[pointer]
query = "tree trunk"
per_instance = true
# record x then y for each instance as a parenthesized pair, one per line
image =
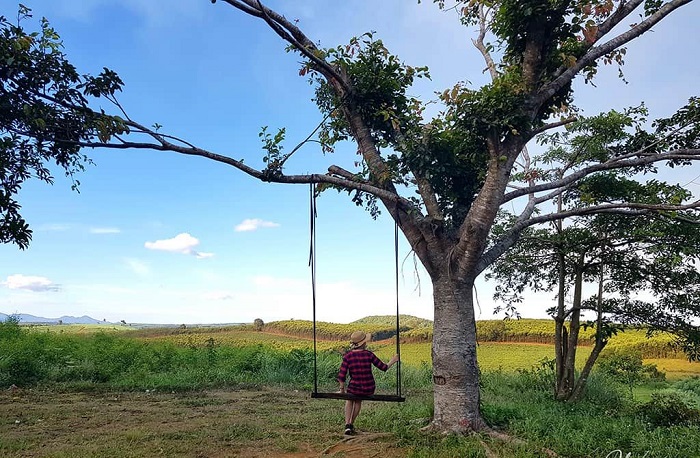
(600, 342)
(586, 372)
(565, 385)
(560, 333)
(455, 369)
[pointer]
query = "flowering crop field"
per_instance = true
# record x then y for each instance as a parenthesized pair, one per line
(503, 345)
(506, 356)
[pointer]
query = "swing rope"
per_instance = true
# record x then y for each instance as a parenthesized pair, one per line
(312, 264)
(396, 270)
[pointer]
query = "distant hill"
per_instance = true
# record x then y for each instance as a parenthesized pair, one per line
(26, 318)
(406, 321)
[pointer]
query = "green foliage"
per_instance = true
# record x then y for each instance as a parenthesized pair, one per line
(9, 328)
(379, 82)
(627, 368)
(691, 384)
(540, 377)
(333, 331)
(671, 407)
(44, 115)
(408, 321)
(273, 145)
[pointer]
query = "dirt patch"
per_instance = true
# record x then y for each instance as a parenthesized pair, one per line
(244, 423)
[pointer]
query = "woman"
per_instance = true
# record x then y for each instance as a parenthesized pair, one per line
(358, 364)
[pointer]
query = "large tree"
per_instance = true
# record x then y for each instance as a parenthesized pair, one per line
(442, 180)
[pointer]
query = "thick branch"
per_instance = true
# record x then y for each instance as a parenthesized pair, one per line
(428, 194)
(622, 208)
(291, 34)
(623, 10)
(261, 175)
(547, 91)
(508, 240)
(627, 161)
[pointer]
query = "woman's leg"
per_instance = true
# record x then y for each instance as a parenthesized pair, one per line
(349, 408)
(357, 405)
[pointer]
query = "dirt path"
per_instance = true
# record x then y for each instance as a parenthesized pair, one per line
(251, 423)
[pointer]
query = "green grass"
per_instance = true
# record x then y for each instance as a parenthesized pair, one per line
(519, 403)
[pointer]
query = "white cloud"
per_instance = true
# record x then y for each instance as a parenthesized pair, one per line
(105, 230)
(253, 224)
(137, 266)
(182, 243)
(53, 227)
(30, 283)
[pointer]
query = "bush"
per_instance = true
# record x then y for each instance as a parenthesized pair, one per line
(10, 329)
(670, 407)
(540, 377)
(691, 384)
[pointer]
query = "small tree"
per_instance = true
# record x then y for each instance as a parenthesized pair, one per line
(622, 253)
(625, 367)
(258, 324)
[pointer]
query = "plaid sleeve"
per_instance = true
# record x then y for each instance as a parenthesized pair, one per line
(378, 363)
(343, 369)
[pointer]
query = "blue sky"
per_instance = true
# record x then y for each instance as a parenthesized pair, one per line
(160, 238)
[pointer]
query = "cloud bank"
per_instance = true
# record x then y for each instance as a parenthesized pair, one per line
(31, 283)
(182, 243)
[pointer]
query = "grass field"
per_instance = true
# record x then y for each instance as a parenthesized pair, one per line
(236, 392)
(507, 356)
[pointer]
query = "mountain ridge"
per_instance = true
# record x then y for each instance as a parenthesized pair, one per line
(66, 319)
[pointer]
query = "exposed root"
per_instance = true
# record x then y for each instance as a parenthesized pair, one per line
(432, 428)
(359, 445)
(489, 453)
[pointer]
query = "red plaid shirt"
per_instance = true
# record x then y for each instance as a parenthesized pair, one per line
(358, 363)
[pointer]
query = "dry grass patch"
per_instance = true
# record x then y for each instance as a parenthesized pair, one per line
(257, 423)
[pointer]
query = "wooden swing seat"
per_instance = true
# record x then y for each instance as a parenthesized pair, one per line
(356, 397)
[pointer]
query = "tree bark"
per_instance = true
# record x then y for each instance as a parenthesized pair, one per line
(455, 368)
(583, 377)
(568, 374)
(560, 333)
(600, 342)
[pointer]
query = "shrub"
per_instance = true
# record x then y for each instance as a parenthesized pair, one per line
(626, 366)
(540, 377)
(10, 329)
(670, 407)
(691, 384)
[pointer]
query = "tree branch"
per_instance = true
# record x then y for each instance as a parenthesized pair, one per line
(292, 35)
(259, 174)
(548, 90)
(479, 44)
(630, 160)
(306, 140)
(622, 208)
(554, 125)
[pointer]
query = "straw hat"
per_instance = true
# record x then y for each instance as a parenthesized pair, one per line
(359, 338)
